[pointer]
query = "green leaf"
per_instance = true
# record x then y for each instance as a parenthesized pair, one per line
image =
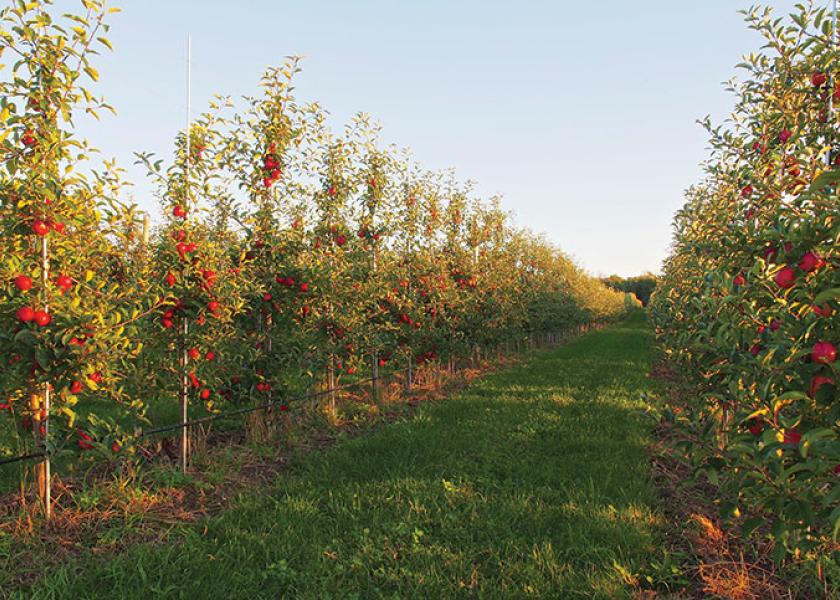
(750, 525)
(826, 295)
(834, 520)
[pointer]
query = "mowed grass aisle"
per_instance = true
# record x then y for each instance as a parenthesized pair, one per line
(532, 482)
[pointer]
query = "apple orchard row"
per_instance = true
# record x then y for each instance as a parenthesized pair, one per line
(748, 305)
(284, 251)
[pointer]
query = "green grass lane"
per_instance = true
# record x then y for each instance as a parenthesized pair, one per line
(533, 482)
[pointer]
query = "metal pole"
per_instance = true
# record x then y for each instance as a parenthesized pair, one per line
(332, 386)
(146, 229)
(409, 376)
(375, 382)
(184, 397)
(47, 491)
(185, 359)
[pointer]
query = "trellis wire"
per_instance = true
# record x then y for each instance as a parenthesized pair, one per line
(185, 424)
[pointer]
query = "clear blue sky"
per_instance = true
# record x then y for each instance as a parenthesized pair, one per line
(582, 114)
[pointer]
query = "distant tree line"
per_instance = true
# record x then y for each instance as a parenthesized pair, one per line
(641, 286)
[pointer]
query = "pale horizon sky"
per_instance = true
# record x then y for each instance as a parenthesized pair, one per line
(582, 116)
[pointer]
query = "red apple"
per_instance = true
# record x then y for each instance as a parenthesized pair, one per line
(27, 138)
(818, 79)
(40, 227)
(25, 314)
(824, 311)
(785, 278)
(824, 352)
(64, 282)
(23, 283)
(84, 441)
(792, 437)
(811, 261)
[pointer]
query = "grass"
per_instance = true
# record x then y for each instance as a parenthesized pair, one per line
(532, 482)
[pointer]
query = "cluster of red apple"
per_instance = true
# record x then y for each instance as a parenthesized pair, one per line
(289, 282)
(28, 138)
(27, 314)
(86, 441)
(406, 320)
(337, 237)
(786, 276)
(366, 234)
(427, 356)
(42, 227)
(463, 281)
(271, 166)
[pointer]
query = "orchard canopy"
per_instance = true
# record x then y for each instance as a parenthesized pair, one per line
(282, 250)
(749, 298)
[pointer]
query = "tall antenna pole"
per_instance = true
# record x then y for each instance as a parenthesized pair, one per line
(828, 156)
(184, 357)
(189, 114)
